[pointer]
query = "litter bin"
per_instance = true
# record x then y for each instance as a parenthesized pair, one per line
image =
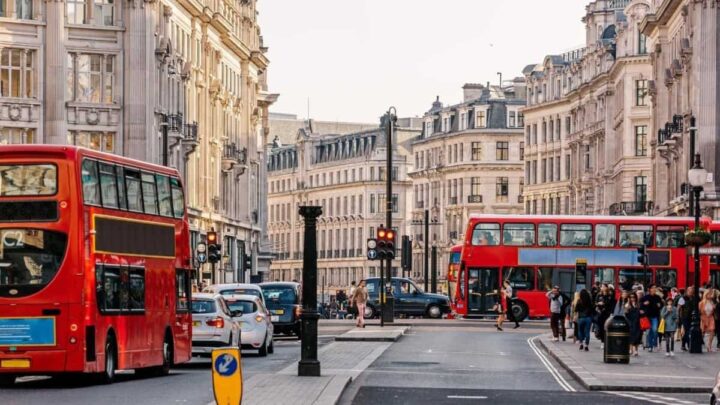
(617, 340)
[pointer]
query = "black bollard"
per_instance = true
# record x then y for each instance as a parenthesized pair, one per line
(309, 366)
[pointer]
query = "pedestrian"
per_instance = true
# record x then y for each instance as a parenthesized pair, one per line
(604, 304)
(556, 304)
(684, 313)
(360, 297)
(717, 318)
(564, 314)
(707, 318)
(650, 307)
(620, 304)
(352, 308)
(500, 308)
(676, 302)
(574, 315)
(508, 303)
(585, 311)
(669, 316)
(632, 314)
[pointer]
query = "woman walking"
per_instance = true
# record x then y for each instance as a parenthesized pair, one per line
(707, 318)
(360, 298)
(632, 314)
(508, 303)
(501, 308)
(585, 311)
(669, 315)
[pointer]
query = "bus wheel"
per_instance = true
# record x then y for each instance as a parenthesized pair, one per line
(519, 310)
(7, 380)
(168, 355)
(434, 312)
(108, 375)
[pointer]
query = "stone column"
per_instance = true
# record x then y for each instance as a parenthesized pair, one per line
(54, 65)
(309, 366)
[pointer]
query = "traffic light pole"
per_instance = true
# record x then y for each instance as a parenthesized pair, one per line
(433, 282)
(382, 294)
(426, 251)
(390, 119)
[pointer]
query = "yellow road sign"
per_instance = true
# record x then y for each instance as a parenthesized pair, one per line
(227, 376)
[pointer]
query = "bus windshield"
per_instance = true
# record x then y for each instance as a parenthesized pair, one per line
(29, 260)
(27, 180)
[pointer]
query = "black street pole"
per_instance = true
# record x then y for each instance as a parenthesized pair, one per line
(696, 337)
(382, 294)
(390, 123)
(691, 194)
(433, 283)
(309, 365)
(164, 126)
(426, 252)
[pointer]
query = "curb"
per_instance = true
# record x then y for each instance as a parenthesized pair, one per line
(572, 367)
(390, 339)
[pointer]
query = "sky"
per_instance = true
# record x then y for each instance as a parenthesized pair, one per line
(350, 60)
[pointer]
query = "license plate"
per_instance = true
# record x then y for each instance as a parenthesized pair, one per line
(196, 323)
(274, 318)
(279, 311)
(15, 363)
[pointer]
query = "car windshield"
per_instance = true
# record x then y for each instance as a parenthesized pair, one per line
(279, 295)
(29, 260)
(203, 307)
(27, 180)
(241, 291)
(246, 307)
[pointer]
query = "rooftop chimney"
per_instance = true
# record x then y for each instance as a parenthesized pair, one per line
(472, 91)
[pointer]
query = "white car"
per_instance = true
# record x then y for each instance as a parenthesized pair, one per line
(236, 289)
(255, 324)
(715, 397)
(213, 325)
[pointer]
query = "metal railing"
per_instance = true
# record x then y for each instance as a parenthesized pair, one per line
(632, 208)
(474, 199)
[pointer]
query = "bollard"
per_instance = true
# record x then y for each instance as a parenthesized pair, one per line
(309, 366)
(617, 340)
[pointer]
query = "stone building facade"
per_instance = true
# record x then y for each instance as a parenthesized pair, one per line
(683, 41)
(468, 160)
(181, 83)
(345, 174)
(588, 120)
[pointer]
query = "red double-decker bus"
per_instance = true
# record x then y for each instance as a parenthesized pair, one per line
(714, 258)
(94, 264)
(537, 252)
(452, 274)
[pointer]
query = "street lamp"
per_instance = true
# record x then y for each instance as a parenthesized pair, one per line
(697, 176)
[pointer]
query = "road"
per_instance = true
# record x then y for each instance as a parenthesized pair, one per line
(436, 363)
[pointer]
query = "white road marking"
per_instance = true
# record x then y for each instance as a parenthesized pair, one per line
(553, 371)
(466, 397)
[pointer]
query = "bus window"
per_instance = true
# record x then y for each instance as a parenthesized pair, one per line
(521, 278)
(182, 290)
(715, 240)
(628, 277)
(178, 200)
(715, 278)
(149, 194)
(666, 278)
(136, 289)
(163, 188)
(547, 234)
(34, 180)
(605, 235)
(121, 187)
(91, 195)
(575, 234)
(635, 235)
(108, 186)
(486, 234)
(670, 236)
(545, 278)
(134, 194)
(605, 276)
(519, 234)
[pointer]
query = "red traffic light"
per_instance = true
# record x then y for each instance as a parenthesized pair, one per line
(390, 235)
(381, 233)
(211, 237)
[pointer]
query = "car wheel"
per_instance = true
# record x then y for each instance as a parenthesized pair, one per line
(108, 375)
(369, 312)
(263, 350)
(433, 311)
(271, 347)
(519, 310)
(7, 380)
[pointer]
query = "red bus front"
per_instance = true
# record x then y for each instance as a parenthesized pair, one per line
(81, 289)
(537, 252)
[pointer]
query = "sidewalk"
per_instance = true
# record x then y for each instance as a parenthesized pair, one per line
(649, 372)
(340, 362)
(373, 334)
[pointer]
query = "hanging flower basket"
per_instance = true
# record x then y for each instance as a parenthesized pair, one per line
(697, 237)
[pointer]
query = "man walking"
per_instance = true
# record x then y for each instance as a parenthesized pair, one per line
(650, 307)
(556, 306)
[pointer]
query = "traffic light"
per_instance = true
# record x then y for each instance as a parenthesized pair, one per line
(248, 262)
(642, 255)
(213, 247)
(372, 249)
(406, 254)
(386, 243)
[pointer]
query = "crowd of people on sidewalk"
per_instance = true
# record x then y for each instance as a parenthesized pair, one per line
(653, 316)
(348, 305)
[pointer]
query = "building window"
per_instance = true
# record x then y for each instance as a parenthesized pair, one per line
(103, 12)
(567, 167)
(102, 141)
(502, 151)
(90, 78)
(9, 136)
(640, 188)
(522, 150)
(75, 11)
(586, 157)
(477, 151)
(543, 168)
(642, 43)
(480, 120)
(641, 92)
(16, 73)
(382, 204)
(512, 119)
(501, 189)
(475, 186)
(372, 203)
(641, 140)
(520, 120)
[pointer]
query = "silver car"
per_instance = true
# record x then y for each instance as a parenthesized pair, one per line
(236, 289)
(213, 325)
(255, 323)
(715, 397)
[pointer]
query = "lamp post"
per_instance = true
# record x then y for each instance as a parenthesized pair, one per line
(697, 176)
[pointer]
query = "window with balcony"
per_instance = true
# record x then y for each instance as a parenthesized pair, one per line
(640, 188)
(96, 140)
(475, 189)
(476, 151)
(16, 73)
(90, 78)
(9, 136)
(501, 189)
(502, 151)
(641, 140)
(641, 92)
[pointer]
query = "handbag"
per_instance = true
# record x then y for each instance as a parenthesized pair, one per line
(644, 323)
(661, 328)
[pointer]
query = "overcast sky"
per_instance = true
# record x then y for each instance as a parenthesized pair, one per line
(354, 58)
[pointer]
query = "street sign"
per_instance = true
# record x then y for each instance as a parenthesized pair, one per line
(372, 254)
(710, 250)
(201, 258)
(227, 376)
